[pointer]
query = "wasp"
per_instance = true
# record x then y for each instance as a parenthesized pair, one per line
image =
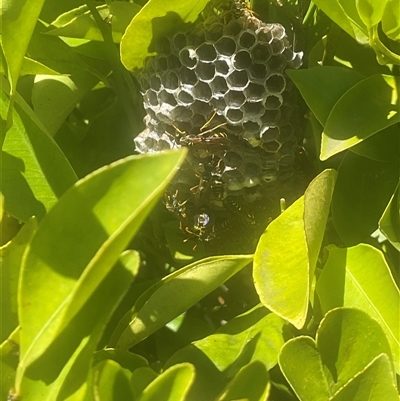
(236, 206)
(173, 204)
(200, 225)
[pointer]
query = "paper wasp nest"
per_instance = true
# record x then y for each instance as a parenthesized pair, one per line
(220, 90)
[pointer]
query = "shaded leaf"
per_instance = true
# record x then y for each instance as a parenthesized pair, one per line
(389, 223)
(9, 358)
(111, 382)
(251, 384)
(172, 385)
(174, 294)
(390, 22)
(374, 383)
(359, 277)
(283, 279)
(79, 23)
(54, 97)
(344, 13)
(322, 87)
(140, 379)
(11, 257)
(256, 335)
(302, 366)
(156, 19)
(80, 240)
(33, 67)
(126, 359)
(18, 16)
(347, 341)
(352, 119)
(371, 11)
(35, 171)
(71, 354)
(362, 192)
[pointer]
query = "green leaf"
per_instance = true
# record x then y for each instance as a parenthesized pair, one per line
(71, 354)
(389, 223)
(283, 279)
(256, 335)
(359, 277)
(322, 87)
(156, 19)
(371, 11)
(251, 384)
(80, 240)
(347, 341)
(174, 294)
(79, 23)
(126, 359)
(171, 385)
(9, 358)
(54, 97)
(302, 366)
(140, 379)
(35, 172)
(374, 383)
(390, 22)
(112, 382)
(18, 21)
(344, 13)
(11, 257)
(384, 146)
(362, 192)
(33, 67)
(353, 119)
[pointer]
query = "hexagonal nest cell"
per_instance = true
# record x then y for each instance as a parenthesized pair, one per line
(220, 90)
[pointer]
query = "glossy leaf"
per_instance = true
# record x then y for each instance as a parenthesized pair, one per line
(359, 277)
(283, 279)
(390, 22)
(362, 192)
(54, 97)
(302, 366)
(71, 354)
(389, 223)
(156, 19)
(78, 23)
(11, 257)
(371, 11)
(256, 335)
(384, 146)
(251, 384)
(140, 379)
(9, 358)
(345, 14)
(374, 383)
(174, 294)
(172, 385)
(18, 21)
(347, 341)
(33, 67)
(322, 87)
(112, 382)
(352, 120)
(35, 173)
(127, 360)
(80, 240)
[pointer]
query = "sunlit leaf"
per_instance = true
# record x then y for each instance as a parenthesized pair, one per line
(11, 257)
(251, 384)
(35, 173)
(283, 279)
(79, 241)
(390, 20)
(18, 21)
(371, 11)
(389, 223)
(140, 379)
(156, 19)
(174, 294)
(359, 277)
(172, 385)
(352, 120)
(374, 383)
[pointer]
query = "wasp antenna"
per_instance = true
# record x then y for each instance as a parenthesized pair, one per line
(208, 121)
